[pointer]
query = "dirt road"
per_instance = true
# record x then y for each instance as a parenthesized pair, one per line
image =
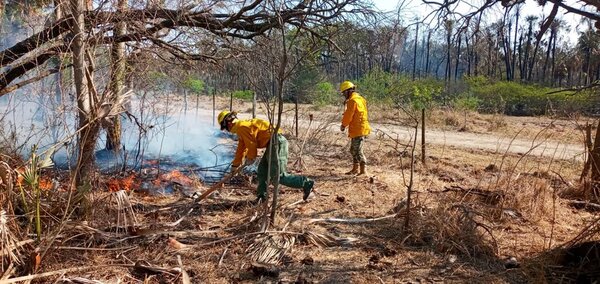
(466, 140)
(488, 142)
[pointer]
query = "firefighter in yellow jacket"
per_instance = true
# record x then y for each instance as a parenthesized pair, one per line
(356, 120)
(254, 134)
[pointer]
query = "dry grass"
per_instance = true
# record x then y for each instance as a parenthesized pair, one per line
(471, 210)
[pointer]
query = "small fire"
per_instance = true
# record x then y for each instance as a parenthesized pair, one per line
(177, 177)
(125, 183)
(46, 184)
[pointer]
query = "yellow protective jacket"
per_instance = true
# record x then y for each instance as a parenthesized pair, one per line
(356, 116)
(253, 134)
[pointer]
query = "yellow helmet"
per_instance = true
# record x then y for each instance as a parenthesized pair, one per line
(346, 85)
(224, 117)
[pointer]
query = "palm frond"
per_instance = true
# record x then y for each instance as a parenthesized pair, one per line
(8, 241)
(323, 240)
(270, 249)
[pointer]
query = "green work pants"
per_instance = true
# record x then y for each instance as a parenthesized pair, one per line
(356, 149)
(278, 168)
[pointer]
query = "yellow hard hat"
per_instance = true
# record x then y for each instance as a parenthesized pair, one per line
(346, 85)
(224, 117)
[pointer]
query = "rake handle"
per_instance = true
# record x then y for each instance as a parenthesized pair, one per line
(220, 183)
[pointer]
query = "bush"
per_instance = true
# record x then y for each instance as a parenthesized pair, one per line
(195, 86)
(243, 94)
(324, 94)
(465, 102)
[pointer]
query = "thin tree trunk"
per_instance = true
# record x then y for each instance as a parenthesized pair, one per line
(533, 60)
(547, 56)
(459, 36)
(113, 131)
(296, 114)
(596, 162)
(428, 49)
(514, 51)
(414, 70)
(253, 104)
(521, 58)
(214, 101)
(422, 136)
(469, 54)
(588, 147)
(87, 124)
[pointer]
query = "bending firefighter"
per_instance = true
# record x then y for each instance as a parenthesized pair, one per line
(356, 120)
(254, 134)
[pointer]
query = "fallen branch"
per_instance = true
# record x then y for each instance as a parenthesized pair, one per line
(95, 249)
(15, 246)
(173, 224)
(9, 272)
(222, 257)
(82, 280)
(584, 205)
(351, 221)
(138, 266)
(47, 274)
(185, 278)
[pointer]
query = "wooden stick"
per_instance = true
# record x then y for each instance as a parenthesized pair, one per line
(9, 271)
(351, 221)
(583, 204)
(222, 257)
(95, 249)
(185, 277)
(46, 274)
(16, 246)
(219, 184)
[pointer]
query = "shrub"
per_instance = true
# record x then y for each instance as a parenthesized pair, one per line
(243, 94)
(324, 94)
(195, 86)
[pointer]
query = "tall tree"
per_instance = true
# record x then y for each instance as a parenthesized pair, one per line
(414, 71)
(87, 124)
(524, 71)
(514, 51)
(117, 80)
(448, 27)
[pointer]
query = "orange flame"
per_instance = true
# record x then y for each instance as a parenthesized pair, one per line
(178, 177)
(125, 183)
(46, 184)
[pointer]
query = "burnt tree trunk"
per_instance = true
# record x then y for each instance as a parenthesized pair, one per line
(113, 131)
(427, 56)
(457, 59)
(414, 69)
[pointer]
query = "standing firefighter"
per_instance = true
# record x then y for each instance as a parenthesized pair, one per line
(355, 118)
(254, 134)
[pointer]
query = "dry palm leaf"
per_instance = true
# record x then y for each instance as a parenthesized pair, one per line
(8, 241)
(270, 249)
(323, 240)
(125, 213)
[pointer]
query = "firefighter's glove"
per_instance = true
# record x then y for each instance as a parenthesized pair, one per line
(250, 167)
(249, 162)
